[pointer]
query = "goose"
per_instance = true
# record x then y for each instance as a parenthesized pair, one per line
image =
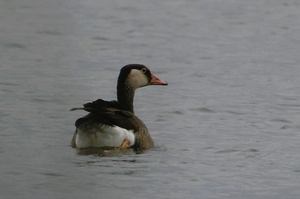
(113, 124)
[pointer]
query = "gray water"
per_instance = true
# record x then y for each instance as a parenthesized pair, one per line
(227, 126)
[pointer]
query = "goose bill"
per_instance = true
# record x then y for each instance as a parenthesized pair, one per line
(156, 81)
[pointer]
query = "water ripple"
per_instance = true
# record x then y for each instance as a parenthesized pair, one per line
(202, 109)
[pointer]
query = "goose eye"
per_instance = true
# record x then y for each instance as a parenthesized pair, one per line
(144, 70)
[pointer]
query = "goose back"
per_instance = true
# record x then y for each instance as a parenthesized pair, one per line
(112, 114)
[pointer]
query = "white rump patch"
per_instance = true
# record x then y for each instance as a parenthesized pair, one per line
(104, 136)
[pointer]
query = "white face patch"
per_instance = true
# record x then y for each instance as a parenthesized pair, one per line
(137, 79)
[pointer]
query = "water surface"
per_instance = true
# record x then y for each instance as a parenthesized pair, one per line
(227, 126)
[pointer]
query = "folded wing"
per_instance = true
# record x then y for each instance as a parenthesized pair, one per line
(107, 113)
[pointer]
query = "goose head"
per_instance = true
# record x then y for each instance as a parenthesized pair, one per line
(136, 76)
(131, 77)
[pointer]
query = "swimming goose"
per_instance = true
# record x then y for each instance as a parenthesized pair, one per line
(113, 124)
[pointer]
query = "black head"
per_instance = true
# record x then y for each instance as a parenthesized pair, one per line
(138, 75)
(131, 77)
